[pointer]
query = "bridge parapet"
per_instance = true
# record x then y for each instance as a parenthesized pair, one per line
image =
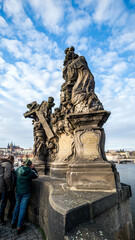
(123, 160)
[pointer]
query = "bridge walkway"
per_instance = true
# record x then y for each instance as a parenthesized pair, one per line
(31, 232)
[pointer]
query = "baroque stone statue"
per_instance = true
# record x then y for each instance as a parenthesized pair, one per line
(42, 132)
(70, 141)
(77, 72)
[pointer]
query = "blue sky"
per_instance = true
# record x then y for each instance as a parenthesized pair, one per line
(33, 37)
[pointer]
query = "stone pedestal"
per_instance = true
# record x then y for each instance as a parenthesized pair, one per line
(90, 170)
(39, 164)
(94, 176)
(58, 170)
(66, 215)
(64, 155)
(39, 148)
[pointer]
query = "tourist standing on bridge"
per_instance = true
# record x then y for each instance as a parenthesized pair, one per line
(24, 176)
(7, 185)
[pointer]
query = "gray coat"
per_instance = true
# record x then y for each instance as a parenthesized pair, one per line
(5, 178)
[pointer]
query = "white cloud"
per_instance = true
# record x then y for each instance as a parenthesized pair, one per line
(12, 128)
(105, 11)
(2, 62)
(108, 11)
(6, 95)
(86, 3)
(123, 40)
(50, 13)
(79, 24)
(13, 7)
(3, 23)
(72, 40)
(25, 80)
(117, 93)
(31, 58)
(83, 44)
(104, 59)
(15, 47)
(119, 68)
(33, 51)
(20, 84)
(79, 21)
(120, 125)
(41, 43)
(5, 28)
(130, 47)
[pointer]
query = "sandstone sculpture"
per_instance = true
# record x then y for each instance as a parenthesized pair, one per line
(70, 142)
(82, 196)
(77, 73)
(41, 115)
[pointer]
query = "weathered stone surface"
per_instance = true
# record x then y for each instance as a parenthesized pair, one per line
(90, 141)
(41, 131)
(65, 148)
(97, 176)
(91, 119)
(69, 145)
(89, 135)
(55, 134)
(59, 211)
(59, 169)
(45, 125)
(87, 231)
(87, 144)
(90, 170)
(65, 153)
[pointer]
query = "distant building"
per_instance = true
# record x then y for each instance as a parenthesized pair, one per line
(19, 153)
(113, 155)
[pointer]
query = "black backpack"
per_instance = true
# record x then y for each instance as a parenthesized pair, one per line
(1, 177)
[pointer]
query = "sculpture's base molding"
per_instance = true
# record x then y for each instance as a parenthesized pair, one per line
(40, 169)
(59, 170)
(94, 176)
(39, 164)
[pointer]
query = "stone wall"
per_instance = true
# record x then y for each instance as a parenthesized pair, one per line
(65, 214)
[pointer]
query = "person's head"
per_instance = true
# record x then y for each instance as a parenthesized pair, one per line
(11, 158)
(50, 100)
(27, 163)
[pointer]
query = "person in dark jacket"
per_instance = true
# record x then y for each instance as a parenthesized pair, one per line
(24, 176)
(8, 188)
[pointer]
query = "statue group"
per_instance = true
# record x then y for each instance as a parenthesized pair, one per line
(70, 141)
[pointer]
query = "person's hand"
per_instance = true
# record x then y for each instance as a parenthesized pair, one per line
(8, 189)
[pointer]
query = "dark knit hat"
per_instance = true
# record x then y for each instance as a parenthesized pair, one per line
(11, 158)
(27, 162)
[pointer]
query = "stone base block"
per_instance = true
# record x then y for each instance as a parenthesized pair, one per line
(91, 177)
(58, 170)
(40, 169)
(66, 215)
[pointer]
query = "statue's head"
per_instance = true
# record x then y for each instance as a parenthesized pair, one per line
(50, 100)
(72, 49)
(67, 50)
